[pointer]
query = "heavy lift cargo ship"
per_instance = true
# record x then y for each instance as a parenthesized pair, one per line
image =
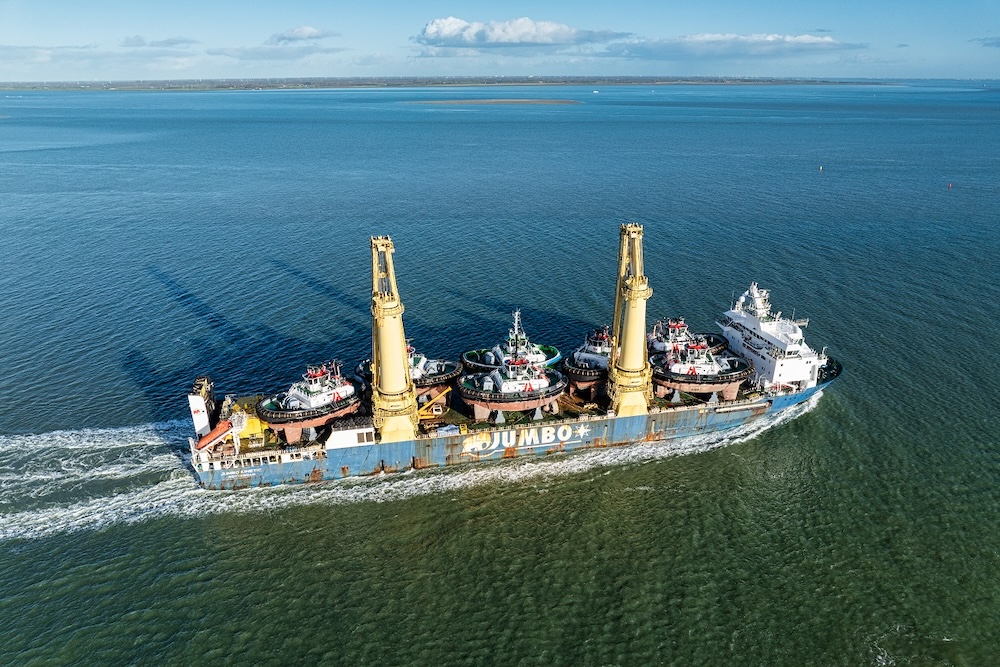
(520, 408)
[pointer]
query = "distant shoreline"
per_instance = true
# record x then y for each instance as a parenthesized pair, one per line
(497, 101)
(311, 83)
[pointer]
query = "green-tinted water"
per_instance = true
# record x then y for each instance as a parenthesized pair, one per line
(153, 237)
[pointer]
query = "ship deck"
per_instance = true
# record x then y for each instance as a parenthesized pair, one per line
(570, 407)
(452, 420)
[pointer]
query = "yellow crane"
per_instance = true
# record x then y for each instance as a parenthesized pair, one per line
(630, 385)
(435, 408)
(394, 401)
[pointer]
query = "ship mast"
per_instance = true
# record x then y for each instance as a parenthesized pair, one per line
(630, 385)
(394, 402)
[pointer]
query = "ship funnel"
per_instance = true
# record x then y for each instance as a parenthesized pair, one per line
(394, 401)
(630, 385)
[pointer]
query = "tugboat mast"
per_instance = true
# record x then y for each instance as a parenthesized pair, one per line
(630, 385)
(394, 401)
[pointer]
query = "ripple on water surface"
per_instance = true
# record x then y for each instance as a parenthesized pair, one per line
(67, 481)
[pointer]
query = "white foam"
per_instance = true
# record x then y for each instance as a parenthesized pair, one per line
(38, 465)
(177, 494)
(96, 439)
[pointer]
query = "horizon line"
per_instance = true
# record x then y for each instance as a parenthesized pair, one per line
(428, 81)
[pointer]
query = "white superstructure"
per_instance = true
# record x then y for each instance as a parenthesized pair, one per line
(320, 386)
(595, 350)
(421, 367)
(772, 343)
(517, 346)
(516, 376)
(201, 400)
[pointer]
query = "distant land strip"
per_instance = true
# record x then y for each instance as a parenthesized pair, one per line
(497, 101)
(412, 82)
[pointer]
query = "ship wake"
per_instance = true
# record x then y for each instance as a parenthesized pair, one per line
(88, 480)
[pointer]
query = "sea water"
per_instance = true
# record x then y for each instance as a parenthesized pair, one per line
(150, 237)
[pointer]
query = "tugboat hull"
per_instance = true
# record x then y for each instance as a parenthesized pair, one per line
(289, 424)
(726, 384)
(485, 402)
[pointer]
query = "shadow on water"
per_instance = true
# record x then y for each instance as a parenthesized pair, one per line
(543, 326)
(360, 307)
(468, 326)
(259, 359)
(164, 396)
(245, 359)
(198, 308)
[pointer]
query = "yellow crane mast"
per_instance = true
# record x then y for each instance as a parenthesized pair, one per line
(630, 378)
(394, 401)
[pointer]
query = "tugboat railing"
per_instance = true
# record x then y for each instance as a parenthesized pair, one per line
(548, 392)
(703, 379)
(269, 415)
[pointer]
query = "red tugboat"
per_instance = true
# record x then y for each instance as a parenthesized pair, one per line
(430, 376)
(517, 346)
(322, 396)
(674, 331)
(517, 386)
(693, 363)
(587, 366)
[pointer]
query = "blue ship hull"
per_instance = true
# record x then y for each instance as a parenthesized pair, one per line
(353, 452)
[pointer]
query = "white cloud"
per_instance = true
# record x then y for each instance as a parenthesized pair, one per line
(61, 63)
(371, 60)
(140, 41)
(300, 34)
(715, 45)
(44, 54)
(272, 52)
(293, 44)
(454, 32)
(526, 37)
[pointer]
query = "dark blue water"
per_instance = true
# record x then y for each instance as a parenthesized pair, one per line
(151, 237)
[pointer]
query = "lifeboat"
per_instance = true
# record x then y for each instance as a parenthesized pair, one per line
(216, 435)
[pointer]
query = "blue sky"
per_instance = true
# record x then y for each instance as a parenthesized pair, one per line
(58, 40)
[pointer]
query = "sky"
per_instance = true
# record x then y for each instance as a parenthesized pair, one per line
(115, 40)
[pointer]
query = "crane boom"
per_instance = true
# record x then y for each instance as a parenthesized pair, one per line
(394, 401)
(630, 385)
